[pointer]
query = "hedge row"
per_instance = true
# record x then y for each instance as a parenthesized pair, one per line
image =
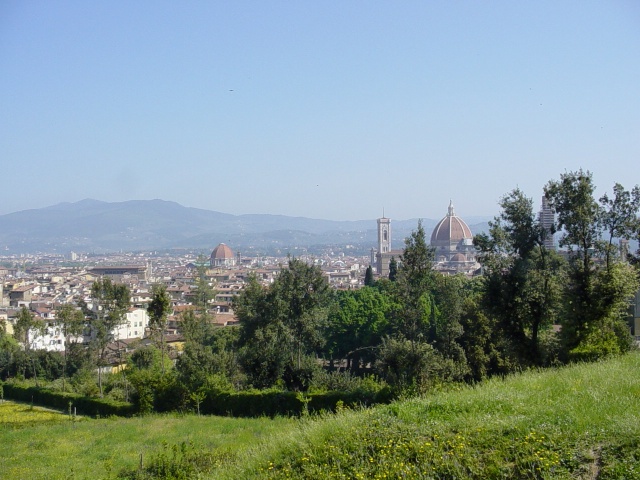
(95, 407)
(250, 403)
(257, 403)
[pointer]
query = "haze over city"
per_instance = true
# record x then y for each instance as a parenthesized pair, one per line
(330, 110)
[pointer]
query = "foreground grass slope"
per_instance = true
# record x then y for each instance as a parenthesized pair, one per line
(575, 422)
(38, 444)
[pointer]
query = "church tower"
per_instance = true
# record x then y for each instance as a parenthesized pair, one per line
(547, 220)
(384, 246)
(384, 235)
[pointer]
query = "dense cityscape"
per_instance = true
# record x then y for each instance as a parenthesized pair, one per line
(42, 282)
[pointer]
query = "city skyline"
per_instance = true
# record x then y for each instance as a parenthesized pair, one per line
(328, 111)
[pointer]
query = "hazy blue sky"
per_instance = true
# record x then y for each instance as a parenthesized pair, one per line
(324, 109)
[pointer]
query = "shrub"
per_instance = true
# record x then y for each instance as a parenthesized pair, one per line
(60, 401)
(84, 382)
(408, 364)
(344, 381)
(178, 462)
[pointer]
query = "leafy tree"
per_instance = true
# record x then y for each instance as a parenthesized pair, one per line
(248, 307)
(577, 215)
(26, 325)
(414, 284)
(619, 217)
(522, 281)
(193, 366)
(195, 327)
(421, 323)
(283, 324)
(203, 292)
(146, 372)
(264, 358)
(596, 296)
(357, 323)
(226, 364)
(158, 309)
(72, 322)
(48, 364)
(406, 364)
(449, 294)
(8, 349)
(300, 296)
(21, 365)
(198, 397)
(209, 358)
(111, 303)
(478, 339)
(212, 365)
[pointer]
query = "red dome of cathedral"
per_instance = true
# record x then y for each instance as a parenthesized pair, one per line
(450, 231)
(222, 255)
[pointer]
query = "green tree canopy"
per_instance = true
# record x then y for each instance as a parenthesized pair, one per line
(283, 324)
(203, 291)
(72, 323)
(522, 279)
(159, 309)
(414, 287)
(597, 293)
(110, 305)
(357, 323)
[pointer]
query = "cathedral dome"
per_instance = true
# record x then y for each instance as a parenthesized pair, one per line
(450, 231)
(222, 255)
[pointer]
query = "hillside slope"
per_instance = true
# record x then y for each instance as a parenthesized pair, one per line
(581, 421)
(577, 422)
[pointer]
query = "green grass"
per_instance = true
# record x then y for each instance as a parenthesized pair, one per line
(19, 415)
(98, 449)
(575, 422)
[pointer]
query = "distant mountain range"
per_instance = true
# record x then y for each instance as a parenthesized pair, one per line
(93, 226)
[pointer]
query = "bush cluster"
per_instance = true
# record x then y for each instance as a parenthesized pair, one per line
(247, 403)
(95, 407)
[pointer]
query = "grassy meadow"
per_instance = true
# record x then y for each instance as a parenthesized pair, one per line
(581, 421)
(40, 444)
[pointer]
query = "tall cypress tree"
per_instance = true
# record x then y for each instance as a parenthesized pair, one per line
(393, 269)
(368, 277)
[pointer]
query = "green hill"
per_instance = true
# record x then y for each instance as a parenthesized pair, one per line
(581, 421)
(577, 422)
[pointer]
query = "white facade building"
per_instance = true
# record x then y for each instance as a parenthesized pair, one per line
(134, 326)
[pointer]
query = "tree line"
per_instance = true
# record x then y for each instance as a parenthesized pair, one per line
(530, 307)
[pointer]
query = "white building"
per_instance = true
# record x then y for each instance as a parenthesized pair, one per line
(135, 323)
(51, 339)
(134, 326)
